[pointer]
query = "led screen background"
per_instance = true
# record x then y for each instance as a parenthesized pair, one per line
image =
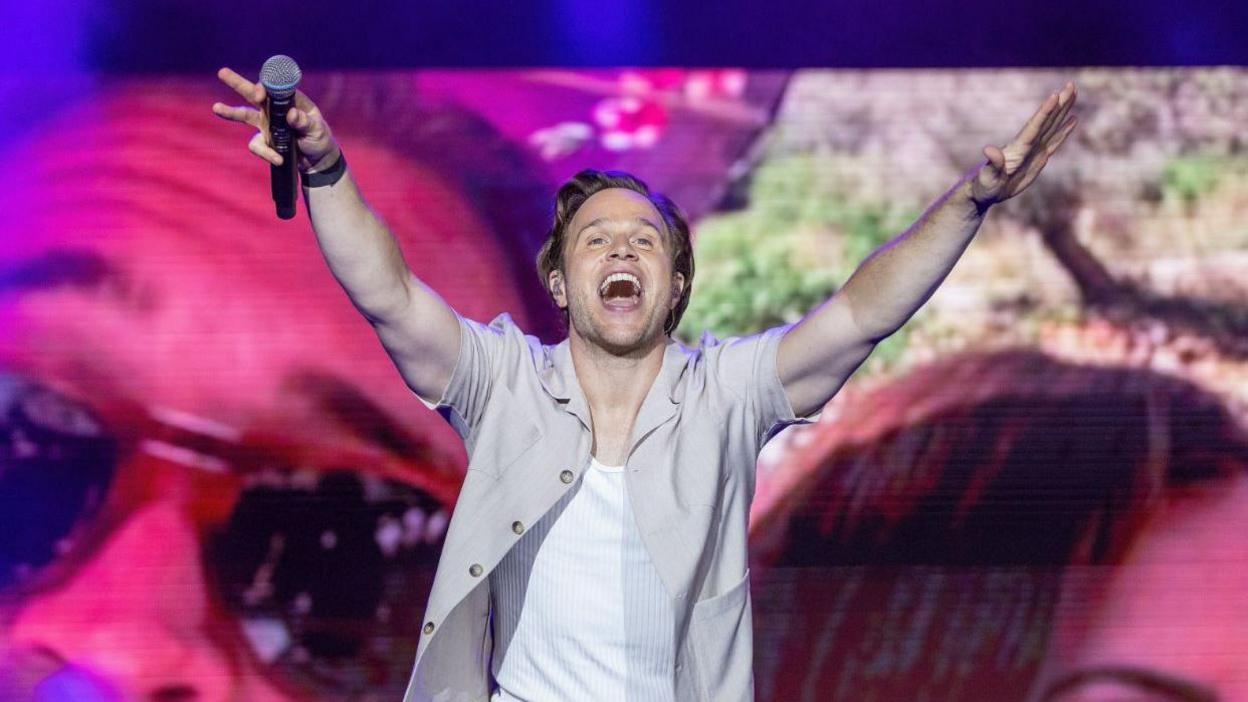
(216, 484)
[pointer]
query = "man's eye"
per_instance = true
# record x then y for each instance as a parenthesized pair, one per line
(644, 241)
(594, 241)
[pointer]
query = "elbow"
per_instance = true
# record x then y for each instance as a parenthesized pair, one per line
(873, 326)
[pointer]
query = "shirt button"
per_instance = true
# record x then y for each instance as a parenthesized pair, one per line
(428, 628)
(475, 570)
(566, 476)
(517, 527)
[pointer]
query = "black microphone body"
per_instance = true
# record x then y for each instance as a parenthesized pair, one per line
(280, 75)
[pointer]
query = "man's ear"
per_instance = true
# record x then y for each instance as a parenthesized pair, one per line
(678, 288)
(555, 282)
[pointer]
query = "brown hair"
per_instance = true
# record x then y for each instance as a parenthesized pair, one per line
(585, 184)
(969, 456)
(934, 519)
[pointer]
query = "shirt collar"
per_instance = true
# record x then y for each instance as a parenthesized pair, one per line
(559, 376)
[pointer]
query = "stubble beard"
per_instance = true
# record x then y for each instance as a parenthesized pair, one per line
(634, 342)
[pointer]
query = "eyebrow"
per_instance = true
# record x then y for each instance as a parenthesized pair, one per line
(1143, 679)
(61, 267)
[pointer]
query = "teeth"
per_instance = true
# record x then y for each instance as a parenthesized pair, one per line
(602, 289)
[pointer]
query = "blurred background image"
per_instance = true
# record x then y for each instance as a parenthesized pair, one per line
(215, 486)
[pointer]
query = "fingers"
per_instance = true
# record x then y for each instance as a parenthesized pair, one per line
(251, 92)
(1034, 125)
(261, 148)
(1032, 172)
(1041, 158)
(1057, 121)
(1061, 135)
(1069, 92)
(305, 117)
(303, 102)
(298, 119)
(1052, 111)
(245, 115)
(253, 115)
(1040, 131)
(1047, 124)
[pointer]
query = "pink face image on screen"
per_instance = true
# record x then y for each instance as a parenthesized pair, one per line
(151, 293)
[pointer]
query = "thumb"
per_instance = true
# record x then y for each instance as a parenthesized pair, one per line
(995, 156)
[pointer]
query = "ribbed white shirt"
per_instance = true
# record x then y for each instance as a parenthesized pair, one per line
(579, 610)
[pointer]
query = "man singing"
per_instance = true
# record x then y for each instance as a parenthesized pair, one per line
(598, 547)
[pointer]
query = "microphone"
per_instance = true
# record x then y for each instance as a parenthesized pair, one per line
(280, 76)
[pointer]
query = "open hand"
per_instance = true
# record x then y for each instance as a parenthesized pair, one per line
(317, 147)
(1011, 169)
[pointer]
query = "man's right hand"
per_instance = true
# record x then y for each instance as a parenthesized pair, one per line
(416, 326)
(317, 148)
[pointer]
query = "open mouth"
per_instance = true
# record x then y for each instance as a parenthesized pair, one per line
(621, 291)
(323, 561)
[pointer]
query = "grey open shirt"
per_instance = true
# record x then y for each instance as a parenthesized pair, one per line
(690, 478)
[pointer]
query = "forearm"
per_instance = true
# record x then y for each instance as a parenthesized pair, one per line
(894, 281)
(415, 325)
(361, 251)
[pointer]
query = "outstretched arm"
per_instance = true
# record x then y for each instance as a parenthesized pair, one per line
(416, 327)
(818, 355)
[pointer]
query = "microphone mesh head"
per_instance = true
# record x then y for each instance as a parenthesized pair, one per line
(280, 75)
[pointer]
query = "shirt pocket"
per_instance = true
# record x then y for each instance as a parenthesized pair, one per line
(720, 631)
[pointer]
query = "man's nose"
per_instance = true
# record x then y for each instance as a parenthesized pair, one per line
(134, 617)
(622, 249)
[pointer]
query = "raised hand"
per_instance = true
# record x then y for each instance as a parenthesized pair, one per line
(317, 147)
(1011, 169)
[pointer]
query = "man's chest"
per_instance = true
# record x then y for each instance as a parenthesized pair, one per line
(611, 436)
(689, 490)
(680, 456)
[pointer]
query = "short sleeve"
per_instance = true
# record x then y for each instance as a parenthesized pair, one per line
(746, 368)
(483, 351)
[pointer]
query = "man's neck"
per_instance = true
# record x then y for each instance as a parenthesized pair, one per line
(615, 388)
(615, 384)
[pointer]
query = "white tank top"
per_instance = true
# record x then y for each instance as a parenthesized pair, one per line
(579, 610)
